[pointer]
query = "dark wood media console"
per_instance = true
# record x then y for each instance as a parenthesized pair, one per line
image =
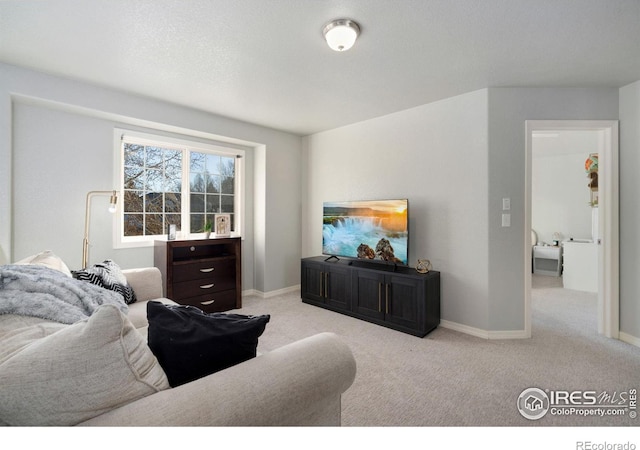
(396, 297)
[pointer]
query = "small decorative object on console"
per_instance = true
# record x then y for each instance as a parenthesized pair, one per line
(423, 266)
(223, 225)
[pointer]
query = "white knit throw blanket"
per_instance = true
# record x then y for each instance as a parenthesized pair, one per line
(38, 291)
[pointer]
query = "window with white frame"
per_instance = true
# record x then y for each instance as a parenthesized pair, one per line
(166, 181)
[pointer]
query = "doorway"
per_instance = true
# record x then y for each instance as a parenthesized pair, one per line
(607, 218)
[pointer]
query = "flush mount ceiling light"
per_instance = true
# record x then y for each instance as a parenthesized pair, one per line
(341, 34)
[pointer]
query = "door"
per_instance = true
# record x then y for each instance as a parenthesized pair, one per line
(608, 238)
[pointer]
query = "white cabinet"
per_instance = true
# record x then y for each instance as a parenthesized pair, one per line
(547, 260)
(580, 266)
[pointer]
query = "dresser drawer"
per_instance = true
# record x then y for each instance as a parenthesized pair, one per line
(546, 252)
(203, 269)
(213, 302)
(194, 288)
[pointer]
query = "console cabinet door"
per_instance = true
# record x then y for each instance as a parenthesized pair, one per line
(337, 286)
(393, 299)
(368, 294)
(312, 282)
(403, 306)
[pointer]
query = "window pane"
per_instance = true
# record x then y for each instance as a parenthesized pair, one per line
(226, 202)
(133, 201)
(213, 203)
(133, 178)
(133, 224)
(213, 184)
(197, 223)
(154, 181)
(172, 159)
(133, 155)
(154, 157)
(227, 166)
(173, 219)
(213, 164)
(197, 203)
(227, 185)
(173, 171)
(197, 182)
(153, 202)
(153, 224)
(172, 203)
(197, 162)
(228, 171)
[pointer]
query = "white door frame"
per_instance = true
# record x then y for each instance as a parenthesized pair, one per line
(608, 229)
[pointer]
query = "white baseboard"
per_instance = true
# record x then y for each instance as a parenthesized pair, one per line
(269, 294)
(629, 339)
(484, 334)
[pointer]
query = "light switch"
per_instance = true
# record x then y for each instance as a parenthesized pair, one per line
(506, 204)
(506, 220)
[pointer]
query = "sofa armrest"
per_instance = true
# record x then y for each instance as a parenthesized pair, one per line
(146, 282)
(297, 384)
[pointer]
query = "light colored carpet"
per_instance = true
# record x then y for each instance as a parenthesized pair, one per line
(452, 379)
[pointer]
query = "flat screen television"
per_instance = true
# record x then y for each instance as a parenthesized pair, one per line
(375, 230)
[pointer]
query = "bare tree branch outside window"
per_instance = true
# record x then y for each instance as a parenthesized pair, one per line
(153, 191)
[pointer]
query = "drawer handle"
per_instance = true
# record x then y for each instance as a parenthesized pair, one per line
(207, 286)
(210, 302)
(210, 269)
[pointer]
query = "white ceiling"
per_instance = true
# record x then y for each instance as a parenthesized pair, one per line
(265, 61)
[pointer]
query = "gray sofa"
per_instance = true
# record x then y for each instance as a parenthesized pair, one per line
(299, 384)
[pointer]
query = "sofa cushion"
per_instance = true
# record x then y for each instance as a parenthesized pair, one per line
(108, 275)
(190, 343)
(48, 259)
(55, 374)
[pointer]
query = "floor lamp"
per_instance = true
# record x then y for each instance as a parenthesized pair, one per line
(112, 208)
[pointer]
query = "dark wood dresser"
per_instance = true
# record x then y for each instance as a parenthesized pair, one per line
(205, 273)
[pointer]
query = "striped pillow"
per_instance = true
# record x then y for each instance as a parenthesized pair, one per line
(108, 275)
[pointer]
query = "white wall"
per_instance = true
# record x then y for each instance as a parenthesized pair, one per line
(509, 108)
(434, 155)
(56, 144)
(560, 195)
(629, 211)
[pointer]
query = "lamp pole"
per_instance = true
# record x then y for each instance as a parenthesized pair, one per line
(87, 215)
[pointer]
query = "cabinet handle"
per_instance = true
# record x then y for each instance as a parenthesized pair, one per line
(207, 303)
(207, 286)
(321, 277)
(379, 297)
(386, 298)
(210, 269)
(326, 284)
